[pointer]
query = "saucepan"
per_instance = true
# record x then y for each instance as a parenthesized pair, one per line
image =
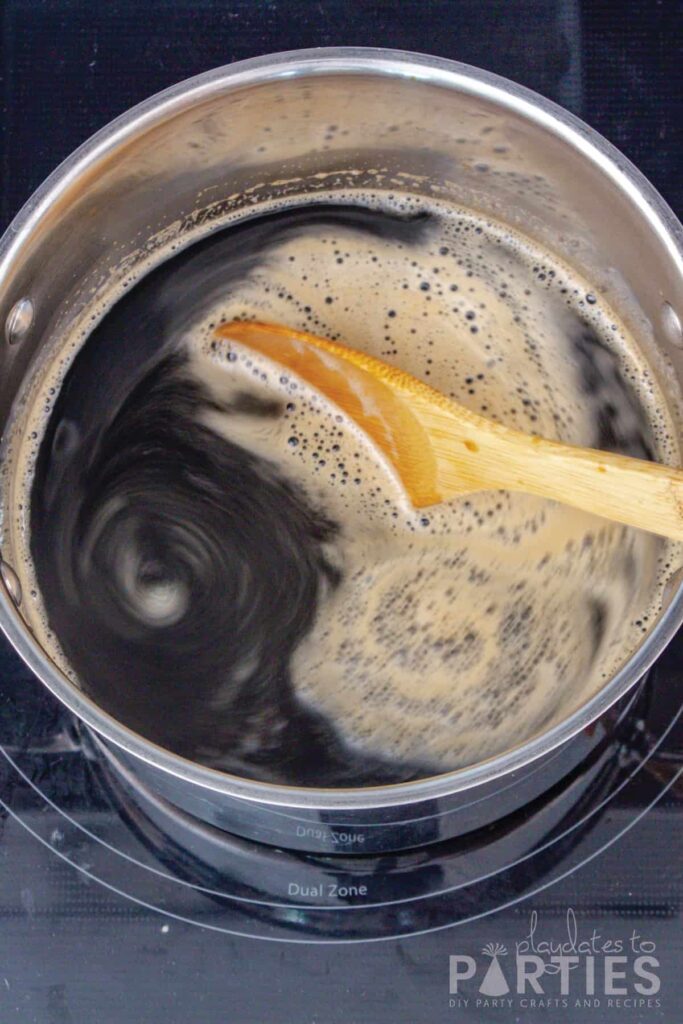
(292, 124)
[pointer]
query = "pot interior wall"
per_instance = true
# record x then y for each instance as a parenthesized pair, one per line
(179, 170)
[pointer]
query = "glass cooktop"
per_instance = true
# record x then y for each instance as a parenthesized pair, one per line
(114, 906)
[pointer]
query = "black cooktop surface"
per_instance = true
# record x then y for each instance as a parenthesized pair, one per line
(113, 906)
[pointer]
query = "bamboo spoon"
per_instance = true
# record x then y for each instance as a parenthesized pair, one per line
(440, 449)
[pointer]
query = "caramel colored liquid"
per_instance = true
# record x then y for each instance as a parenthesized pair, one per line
(228, 565)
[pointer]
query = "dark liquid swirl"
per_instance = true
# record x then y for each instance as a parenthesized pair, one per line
(178, 570)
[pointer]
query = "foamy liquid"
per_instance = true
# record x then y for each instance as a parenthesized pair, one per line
(457, 632)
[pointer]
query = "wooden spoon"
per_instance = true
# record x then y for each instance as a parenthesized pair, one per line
(440, 449)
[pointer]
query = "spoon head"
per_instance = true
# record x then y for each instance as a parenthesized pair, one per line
(382, 400)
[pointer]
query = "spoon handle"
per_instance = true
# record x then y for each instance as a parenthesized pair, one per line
(638, 493)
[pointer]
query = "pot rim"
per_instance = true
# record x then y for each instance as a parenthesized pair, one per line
(316, 62)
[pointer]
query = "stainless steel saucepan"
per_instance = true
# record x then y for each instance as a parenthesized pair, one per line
(293, 124)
